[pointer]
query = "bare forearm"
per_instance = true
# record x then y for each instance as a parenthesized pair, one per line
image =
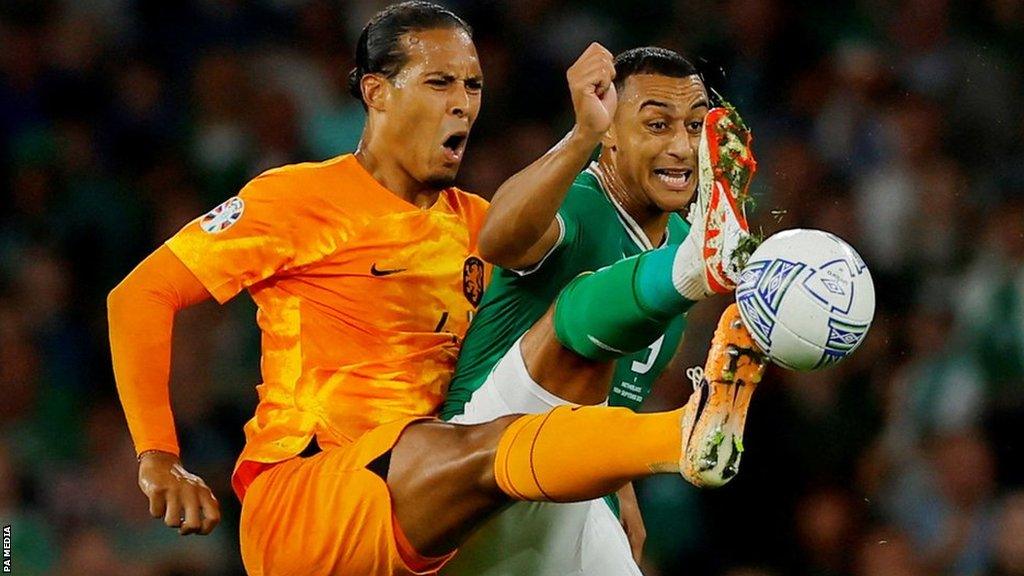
(520, 226)
(524, 207)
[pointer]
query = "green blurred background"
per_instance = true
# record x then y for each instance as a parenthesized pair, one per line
(894, 124)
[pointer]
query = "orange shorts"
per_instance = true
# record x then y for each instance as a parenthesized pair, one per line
(328, 515)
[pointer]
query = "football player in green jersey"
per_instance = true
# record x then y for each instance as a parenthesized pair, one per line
(549, 333)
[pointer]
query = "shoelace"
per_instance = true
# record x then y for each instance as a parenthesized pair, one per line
(696, 376)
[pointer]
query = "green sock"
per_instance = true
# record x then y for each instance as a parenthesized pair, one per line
(619, 309)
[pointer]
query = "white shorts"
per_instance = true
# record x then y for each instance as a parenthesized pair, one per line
(537, 538)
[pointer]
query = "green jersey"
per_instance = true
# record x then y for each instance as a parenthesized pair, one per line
(595, 232)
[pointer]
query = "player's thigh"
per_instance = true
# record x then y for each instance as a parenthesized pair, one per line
(508, 389)
(442, 482)
(561, 371)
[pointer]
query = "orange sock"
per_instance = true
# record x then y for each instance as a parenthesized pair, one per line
(575, 453)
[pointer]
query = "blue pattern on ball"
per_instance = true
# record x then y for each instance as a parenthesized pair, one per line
(843, 337)
(763, 283)
(832, 285)
(775, 279)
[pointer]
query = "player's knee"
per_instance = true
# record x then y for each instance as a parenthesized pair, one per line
(482, 447)
(599, 317)
(449, 453)
(572, 330)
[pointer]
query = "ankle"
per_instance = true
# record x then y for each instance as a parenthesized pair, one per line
(688, 272)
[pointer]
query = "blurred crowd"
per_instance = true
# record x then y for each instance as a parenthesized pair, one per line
(892, 124)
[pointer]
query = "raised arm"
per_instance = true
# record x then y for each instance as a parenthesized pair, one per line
(141, 313)
(520, 227)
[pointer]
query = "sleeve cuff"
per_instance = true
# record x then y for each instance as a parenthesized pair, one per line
(558, 243)
(163, 447)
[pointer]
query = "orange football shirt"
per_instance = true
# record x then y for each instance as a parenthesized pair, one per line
(363, 299)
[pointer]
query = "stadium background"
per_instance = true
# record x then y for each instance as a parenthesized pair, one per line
(896, 125)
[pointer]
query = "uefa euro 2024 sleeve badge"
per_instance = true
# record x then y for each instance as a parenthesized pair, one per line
(222, 217)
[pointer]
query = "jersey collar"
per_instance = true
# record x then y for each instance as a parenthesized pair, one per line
(633, 230)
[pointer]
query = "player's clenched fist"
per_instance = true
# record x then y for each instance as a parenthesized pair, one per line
(593, 90)
(183, 500)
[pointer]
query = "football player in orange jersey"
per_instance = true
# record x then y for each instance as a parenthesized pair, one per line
(365, 271)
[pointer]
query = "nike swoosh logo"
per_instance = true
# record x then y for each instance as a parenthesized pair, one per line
(378, 272)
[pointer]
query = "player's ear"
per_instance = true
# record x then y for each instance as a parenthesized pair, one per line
(374, 89)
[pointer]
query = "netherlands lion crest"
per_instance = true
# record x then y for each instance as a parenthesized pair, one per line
(473, 280)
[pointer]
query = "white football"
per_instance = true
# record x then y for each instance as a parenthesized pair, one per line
(807, 298)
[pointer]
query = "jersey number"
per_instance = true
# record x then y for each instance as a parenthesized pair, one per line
(652, 355)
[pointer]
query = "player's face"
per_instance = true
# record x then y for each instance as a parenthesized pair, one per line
(433, 103)
(656, 132)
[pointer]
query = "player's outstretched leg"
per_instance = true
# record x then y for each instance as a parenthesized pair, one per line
(717, 410)
(446, 479)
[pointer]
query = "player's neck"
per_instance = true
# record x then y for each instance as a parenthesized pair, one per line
(386, 171)
(650, 218)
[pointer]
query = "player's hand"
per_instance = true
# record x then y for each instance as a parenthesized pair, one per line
(183, 500)
(632, 521)
(591, 84)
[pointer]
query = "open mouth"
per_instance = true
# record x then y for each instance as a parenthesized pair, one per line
(454, 146)
(674, 178)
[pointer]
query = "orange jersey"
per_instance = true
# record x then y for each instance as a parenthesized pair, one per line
(363, 299)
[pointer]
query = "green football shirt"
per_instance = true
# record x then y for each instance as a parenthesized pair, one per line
(595, 232)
